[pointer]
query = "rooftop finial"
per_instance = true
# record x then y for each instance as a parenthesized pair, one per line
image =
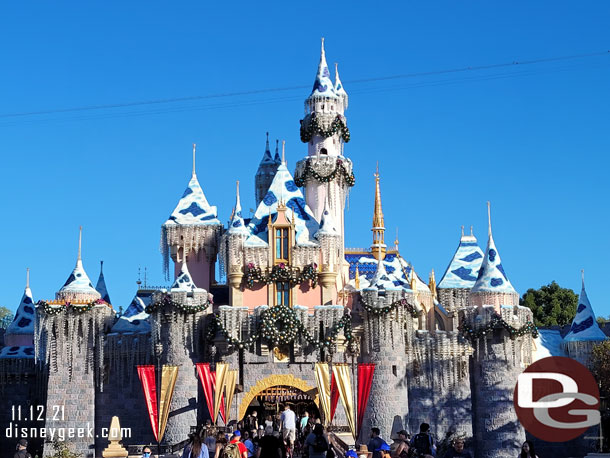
(80, 242)
(462, 231)
(267, 144)
(582, 273)
(194, 154)
(284, 152)
(101, 266)
(139, 281)
(396, 241)
(489, 217)
(322, 47)
(27, 277)
(471, 233)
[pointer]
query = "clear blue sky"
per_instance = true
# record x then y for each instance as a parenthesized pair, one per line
(533, 139)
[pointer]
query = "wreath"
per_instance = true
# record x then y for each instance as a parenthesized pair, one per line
(497, 322)
(339, 170)
(311, 126)
(282, 272)
(165, 300)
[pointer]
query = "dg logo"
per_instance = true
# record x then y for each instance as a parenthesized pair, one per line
(557, 399)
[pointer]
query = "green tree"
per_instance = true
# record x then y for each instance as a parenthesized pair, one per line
(6, 317)
(600, 359)
(551, 304)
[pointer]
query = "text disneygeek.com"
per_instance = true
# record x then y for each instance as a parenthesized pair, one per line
(51, 433)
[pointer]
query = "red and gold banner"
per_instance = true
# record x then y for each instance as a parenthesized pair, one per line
(365, 381)
(207, 382)
(219, 388)
(323, 384)
(334, 397)
(169, 375)
(149, 387)
(341, 373)
(231, 381)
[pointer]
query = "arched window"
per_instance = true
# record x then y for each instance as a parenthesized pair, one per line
(324, 151)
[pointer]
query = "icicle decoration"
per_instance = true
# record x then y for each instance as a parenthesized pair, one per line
(190, 238)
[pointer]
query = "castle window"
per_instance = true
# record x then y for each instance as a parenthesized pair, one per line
(282, 293)
(281, 244)
(323, 151)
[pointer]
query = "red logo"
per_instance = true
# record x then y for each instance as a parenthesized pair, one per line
(557, 399)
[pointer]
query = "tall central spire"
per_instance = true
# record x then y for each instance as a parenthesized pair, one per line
(378, 248)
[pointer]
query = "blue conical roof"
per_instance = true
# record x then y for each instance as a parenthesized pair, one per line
(23, 323)
(323, 86)
(237, 225)
(463, 270)
(193, 207)
(100, 287)
(184, 281)
(584, 324)
(267, 158)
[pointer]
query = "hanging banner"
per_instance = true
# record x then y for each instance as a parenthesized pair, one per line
(230, 383)
(222, 403)
(334, 397)
(323, 384)
(169, 374)
(219, 388)
(149, 387)
(344, 385)
(365, 381)
(207, 382)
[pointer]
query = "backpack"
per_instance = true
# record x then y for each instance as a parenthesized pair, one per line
(232, 451)
(423, 443)
(319, 444)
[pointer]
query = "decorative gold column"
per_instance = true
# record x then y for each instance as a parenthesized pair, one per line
(328, 280)
(235, 277)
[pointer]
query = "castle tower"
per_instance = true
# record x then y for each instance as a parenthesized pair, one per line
(192, 231)
(378, 248)
(330, 240)
(461, 273)
(266, 171)
(100, 287)
(584, 332)
(21, 331)
(492, 286)
(232, 247)
(326, 173)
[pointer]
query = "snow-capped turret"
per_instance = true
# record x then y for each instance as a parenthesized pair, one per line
(323, 87)
(100, 287)
(584, 325)
(236, 225)
(492, 286)
(463, 270)
(78, 287)
(381, 279)
(183, 281)
(21, 331)
(340, 90)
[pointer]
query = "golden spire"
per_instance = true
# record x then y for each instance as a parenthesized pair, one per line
(432, 283)
(413, 279)
(357, 278)
(396, 241)
(378, 247)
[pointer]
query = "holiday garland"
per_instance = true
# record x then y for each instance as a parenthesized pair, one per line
(166, 301)
(339, 170)
(280, 325)
(49, 309)
(312, 126)
(377, 311)
(497, 322)
(282, 272)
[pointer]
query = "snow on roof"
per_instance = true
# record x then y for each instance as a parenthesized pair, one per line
(78, 282)
(193, 207)
(397, 269)
(381, 279)
(138, 304)
(23, 323)
(464, 267)
(327, 224)
(100, 287)
(26, 352)
(184, 281)
(137, 323)
(339, 90)
(584, 325)
(492, 277)
(548, 343)
(237, 225)
(323, 86)
(285, 190)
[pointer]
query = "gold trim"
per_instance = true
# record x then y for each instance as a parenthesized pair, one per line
(277, 380)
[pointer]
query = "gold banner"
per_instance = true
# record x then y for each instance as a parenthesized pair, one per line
(169, 374)
(230, 383)
(221, 377)
(344, 385)
(323, 383)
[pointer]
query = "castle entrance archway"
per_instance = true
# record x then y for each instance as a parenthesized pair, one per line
(268, 396)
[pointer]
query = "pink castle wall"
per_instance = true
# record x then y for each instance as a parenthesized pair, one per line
(256, 296)
(307, 296)
(199, 268)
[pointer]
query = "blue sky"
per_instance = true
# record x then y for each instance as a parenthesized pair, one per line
(533, 139)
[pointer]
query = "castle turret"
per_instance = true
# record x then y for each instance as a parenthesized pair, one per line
(326, 173)
(378, 247)
(192, 230)
(100, 287)
(232, 245)
(21, 331)
(492, 286)
(266, 171)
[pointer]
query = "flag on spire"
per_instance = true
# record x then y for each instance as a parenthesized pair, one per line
(584, 324)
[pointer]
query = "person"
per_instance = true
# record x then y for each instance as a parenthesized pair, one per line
(289, 426)
(210, 439)
(304, 422)
(196, 448)
(457, 450)
(528, 450)
(316, 443)
(403, 449)
(235, 448)
(269, 425)
(221, 442)
(423, 442)
(376, 442)
(253, 423)
(249, 444)
(146, 452)
(22, 449)
(269, 446)
(384, 450)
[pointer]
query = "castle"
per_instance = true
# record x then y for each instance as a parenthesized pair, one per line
(446, 353)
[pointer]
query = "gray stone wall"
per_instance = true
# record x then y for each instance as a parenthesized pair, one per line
(453, 298)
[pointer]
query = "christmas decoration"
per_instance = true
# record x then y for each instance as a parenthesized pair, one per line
(387, 309)
(311, 126)
(165, 300)
(338, 171)
(282, 273)
(497, 322)
(56, 309)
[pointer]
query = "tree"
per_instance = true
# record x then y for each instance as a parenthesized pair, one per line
(600, 359)
(551, 304)
(6, 317)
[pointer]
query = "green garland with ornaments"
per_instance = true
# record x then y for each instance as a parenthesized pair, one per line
(166, 301)
(282, 273)
(339, 170)
(312, 127)
(49, 309)
(379, 311)
(497, 322)
(280, 325)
